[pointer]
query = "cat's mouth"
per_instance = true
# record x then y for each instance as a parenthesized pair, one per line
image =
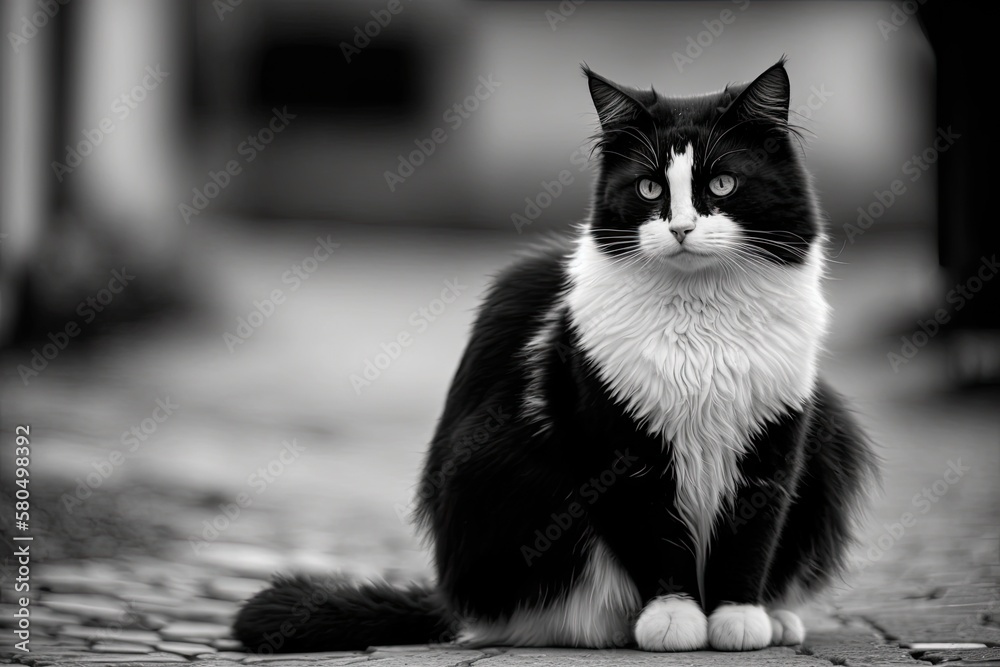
(686, 250)
(687, 258)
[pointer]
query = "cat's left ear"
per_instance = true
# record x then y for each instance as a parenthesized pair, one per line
(615, 106)
(765, 99)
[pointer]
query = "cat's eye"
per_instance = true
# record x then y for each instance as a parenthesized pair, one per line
(649, 189)
(722, 185)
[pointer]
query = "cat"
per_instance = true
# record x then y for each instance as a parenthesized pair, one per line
(636, 449)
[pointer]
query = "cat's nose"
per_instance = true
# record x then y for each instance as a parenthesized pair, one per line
(681, 228)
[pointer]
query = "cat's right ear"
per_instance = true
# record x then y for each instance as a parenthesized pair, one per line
(765, 99)
(615, 106)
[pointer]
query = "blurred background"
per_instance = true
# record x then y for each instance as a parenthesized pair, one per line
(242, 243)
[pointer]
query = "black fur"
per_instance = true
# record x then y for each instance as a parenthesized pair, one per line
(511, 502)
(303, 614)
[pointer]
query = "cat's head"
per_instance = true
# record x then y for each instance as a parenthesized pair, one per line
(701, 183)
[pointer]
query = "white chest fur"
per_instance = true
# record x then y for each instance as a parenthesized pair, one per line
(703, 360)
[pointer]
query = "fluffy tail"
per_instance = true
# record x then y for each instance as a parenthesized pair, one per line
(300, 614)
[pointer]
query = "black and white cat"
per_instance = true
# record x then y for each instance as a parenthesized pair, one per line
(636, 448)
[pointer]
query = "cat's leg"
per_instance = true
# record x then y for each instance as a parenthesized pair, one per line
(672, 618)
(746, 539)
(651, 545)
(738, 569)
(839, 468)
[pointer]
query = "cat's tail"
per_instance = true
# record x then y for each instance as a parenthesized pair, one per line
(300, 614)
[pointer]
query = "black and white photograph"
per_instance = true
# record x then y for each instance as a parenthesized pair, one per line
(498, 333)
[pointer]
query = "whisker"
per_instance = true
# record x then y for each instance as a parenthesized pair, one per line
(738, 150)
(644, 139)
(799, 250)
(775, 231)
(730, 129)
(632, 159)
(794, 250)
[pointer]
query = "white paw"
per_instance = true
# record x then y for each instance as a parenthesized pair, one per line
(672, 623)
(786, 628)
(739, 627)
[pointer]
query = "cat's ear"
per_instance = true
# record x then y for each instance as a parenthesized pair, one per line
(765, 99)
(615, 106)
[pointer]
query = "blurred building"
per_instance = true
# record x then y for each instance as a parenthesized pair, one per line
(124, 123)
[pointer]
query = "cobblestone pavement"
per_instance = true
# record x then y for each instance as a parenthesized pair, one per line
(271, 460)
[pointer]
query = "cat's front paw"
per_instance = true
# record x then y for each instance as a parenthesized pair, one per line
(739, 627)
(672, 623)
(786, 628)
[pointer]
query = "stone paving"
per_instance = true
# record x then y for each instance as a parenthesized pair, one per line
(147, 564)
